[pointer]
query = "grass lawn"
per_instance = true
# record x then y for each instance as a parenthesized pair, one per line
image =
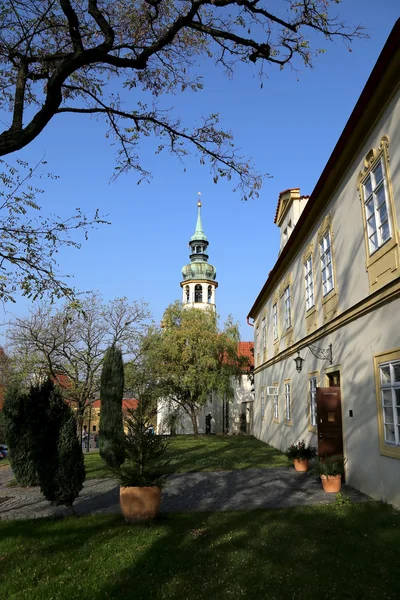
(189, 453)
(324, 552)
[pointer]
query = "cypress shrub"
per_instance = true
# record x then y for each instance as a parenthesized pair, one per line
(70, 474)
(111, 431)
(2, 428)
(18, 414)
(56, 447)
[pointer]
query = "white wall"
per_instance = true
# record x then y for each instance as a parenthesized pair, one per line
(242, 393)
(353, 349)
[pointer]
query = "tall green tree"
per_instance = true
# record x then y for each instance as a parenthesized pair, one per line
(72, 56)
(193, 358)
(111, 431)
(18, 413)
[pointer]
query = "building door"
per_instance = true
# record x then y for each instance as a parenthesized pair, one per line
(329, 419)
(249, 418)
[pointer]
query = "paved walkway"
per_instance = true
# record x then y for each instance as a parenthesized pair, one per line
(186, 492)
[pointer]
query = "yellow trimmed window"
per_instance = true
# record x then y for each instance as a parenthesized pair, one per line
(309, 282)
(325, 246)
(379, 217)
(376, 206)
(262, 403)
(387, 375)
(275, 321)
(288, 307)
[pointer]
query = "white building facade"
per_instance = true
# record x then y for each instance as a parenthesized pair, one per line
(333, 300)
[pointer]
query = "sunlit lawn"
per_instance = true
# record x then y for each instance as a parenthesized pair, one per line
(323, 552)
(189, 453)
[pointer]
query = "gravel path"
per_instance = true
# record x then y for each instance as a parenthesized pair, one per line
(186, 492)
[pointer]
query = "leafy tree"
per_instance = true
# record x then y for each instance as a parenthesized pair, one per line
(90, 57)
(18, 413)
(29, 241)
(55, 446)
(111, 393)
(70, 342)
(193, 358)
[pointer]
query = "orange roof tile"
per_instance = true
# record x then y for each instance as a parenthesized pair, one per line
(247, 349)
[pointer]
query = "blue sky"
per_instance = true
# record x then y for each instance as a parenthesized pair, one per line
(289, 128)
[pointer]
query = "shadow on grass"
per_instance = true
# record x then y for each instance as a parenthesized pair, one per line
(313, 552)
(219, 453)
(191, 454)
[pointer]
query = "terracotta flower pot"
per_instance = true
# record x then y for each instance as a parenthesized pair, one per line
(331, 484)
(301, 464)
(139, 503)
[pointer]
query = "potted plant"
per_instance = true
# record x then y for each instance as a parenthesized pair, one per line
(330, 469)
(301, 455)
(140, 474)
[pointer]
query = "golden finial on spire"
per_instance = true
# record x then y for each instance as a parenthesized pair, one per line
(199, 200)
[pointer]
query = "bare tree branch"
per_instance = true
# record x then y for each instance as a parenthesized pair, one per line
(152, 47)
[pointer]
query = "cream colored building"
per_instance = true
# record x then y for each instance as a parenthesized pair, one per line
(333, 298)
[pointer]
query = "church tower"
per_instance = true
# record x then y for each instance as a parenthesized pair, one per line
(199, 285)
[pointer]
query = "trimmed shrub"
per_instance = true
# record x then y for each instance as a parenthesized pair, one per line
(56, 448)
(18, 415)
(111, 430)
(70, 474)
(2, 428)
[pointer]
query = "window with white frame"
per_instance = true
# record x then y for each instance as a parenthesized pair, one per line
(288, 303)
(288, 402)
(313, 401)
(264, 334)
(276, 406)
(389, 375)
(376, 206)
(262, 404)
(326, 263)
(309, 279)
(275, 321)
(258, 340)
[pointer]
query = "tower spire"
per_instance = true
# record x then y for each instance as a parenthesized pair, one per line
(199, 276)
(199, 234)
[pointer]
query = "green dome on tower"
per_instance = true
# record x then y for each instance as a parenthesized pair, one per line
(199, 268)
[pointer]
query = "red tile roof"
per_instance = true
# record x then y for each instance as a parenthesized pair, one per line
(62, 380)
(247, 349)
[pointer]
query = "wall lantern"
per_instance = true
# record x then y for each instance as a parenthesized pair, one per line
(299, 362)
(321, 353)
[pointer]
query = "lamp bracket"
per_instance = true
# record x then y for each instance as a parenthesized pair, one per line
(321, 353)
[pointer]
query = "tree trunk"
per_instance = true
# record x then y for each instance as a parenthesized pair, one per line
(193, 416)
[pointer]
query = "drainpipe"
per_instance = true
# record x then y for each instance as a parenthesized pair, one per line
(248, 322)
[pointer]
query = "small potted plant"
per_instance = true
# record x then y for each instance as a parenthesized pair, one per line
(330, 469)
(140, 474)
(301, 455)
